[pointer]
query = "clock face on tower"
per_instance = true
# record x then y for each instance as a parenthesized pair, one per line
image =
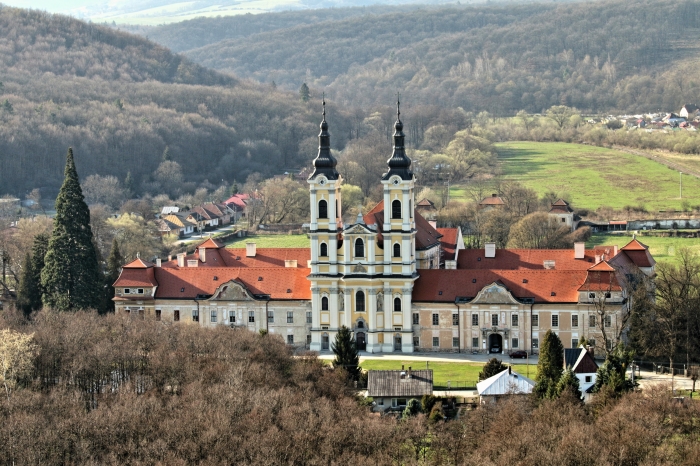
(322, 181)
(395, 180)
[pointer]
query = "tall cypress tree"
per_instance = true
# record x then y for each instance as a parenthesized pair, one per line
(29, 291)
(346, 353)
(549, 366)
(70, 278)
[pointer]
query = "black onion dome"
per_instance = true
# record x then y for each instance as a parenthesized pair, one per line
(324, 163)
(399, 163)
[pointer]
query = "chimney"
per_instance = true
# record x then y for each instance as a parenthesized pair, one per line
(401, 366)
(509, 370)
(158, 262)
(494, 195)
(614, 250)
(250, 249)
(203, 254)
(409, 372)
(170, 257)
(490, 249)
(181, 259)
(579, 250)
(433, 223)
(290, 263)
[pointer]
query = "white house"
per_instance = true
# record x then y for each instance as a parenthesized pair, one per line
(507, 382)
(584, 366)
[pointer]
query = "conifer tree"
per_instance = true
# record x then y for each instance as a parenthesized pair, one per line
(304, 93)
(70, 278)
(29, 291)
(346, 354)
(569, 383)
(492, 367)
(114, 264)
(27, 288)
(549, 366)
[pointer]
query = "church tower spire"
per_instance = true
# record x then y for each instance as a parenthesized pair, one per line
(399, 163)
(324, 163)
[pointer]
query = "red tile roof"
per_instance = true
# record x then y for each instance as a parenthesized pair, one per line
(264, 257)
(519, 259)
(635, 245)
(448, 242)
(545, 286)
(211, 243)
(426, 236)
(492, 200)
(138, 263)
(136, 277)
(602, 266)
(280, 283)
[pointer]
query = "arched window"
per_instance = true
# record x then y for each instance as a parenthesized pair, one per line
(360, 301)
(359, 248)
(324, 249)
(397, 250)
(396, 209)
(397, 304)
(360, 324)
(322, 209)
(324, 303)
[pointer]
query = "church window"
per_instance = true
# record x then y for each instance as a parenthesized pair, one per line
(195, 315)
(324, 250)
(397, 250)
(455, 319)
(251, 316)
(396, 209)
(475, 320)
(322, 209)
(308, 317)
(359, 248)
(397, 304)
(290, 317)
(360, 301)
(436, 319)
(213, 317)
(231, 317)
(324, 303)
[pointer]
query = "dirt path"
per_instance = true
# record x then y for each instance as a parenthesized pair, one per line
(660, 159)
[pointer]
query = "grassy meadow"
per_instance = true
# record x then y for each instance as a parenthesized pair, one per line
(270, 241)
(443, 371)
(663, 249)
(591, 177)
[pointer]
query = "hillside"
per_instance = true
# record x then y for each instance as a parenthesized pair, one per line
(126, 104)
(596, 56)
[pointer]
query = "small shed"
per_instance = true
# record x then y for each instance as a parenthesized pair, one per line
(392, 390)
(507, 382)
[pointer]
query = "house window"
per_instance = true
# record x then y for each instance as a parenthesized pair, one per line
(514, 343)
(158, 314)
(322, 209)
(436, 342)
(494, 319)
(455, 342)
(591, 321)
(589, 378)
(308, 340)
(475, 342)
(397, 304)
(213, 317)
(270, 317)
(574, 321)
(380, 401)
(251, 316)
(555, 320)
(475, 320)
(324, 341)
(608, 295)
(397, 250)
(176, 316)
(360, 301)
(396, 209)
(563, 220)
(436, 319)
(608, 321)
(397, 402)
(416, 341)
(308, 317)
(535, 320)
(139, 290)
(591, 295)
(455, 319)
(574, 342)
(290, 339)
(608, 344)
(514, 320)
(324, 250)
(127, 290)
(195, 315)
(290, 317)
(535, 343)
(591, 342)
(416, 318)
(324, 303)
(359, 248)
(231, 317)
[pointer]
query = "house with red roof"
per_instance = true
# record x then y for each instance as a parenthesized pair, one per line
(494, 201)
(399, 283)
(564, 214)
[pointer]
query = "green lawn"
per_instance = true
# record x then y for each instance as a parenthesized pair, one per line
(458, 373)
(271, 241)
(591, 176)
(663, 249)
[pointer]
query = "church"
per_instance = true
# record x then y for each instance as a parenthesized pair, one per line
(398, 282)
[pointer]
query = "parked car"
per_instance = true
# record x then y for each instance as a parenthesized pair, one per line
(518, 354)
(495, 349)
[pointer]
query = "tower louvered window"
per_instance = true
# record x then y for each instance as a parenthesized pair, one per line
(396, 209)
(322, 209)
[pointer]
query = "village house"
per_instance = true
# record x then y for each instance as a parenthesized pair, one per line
(396, 281)
(582, 363)
(505, 383)
(392, 390)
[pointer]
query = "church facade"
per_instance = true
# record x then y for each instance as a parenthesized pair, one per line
(399, 283)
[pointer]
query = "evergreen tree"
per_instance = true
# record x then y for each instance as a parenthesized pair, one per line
(346, 354)
(129, 184)
(304, 93)
(611, 373)
(70, 278)
(114, 264)
(550, 366)
(491, 368)
(27, 288)
(569, 383)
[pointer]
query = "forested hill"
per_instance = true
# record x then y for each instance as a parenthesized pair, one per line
(596, 56)
(127, 104)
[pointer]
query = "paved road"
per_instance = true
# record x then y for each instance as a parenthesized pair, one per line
(422, 357)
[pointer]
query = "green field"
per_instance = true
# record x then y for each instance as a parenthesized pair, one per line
(592, 177)
(271, 241)
(458, 373)
(663, 249)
